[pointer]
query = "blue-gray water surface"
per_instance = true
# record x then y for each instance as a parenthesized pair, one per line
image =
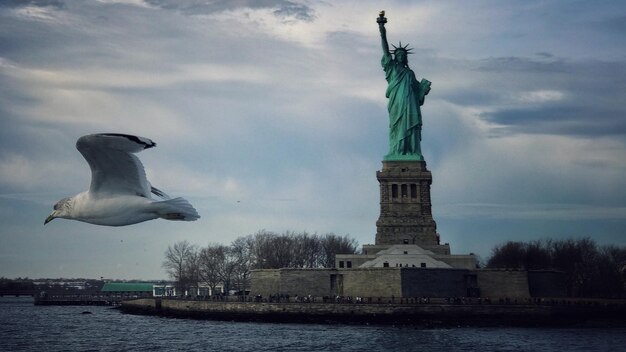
(26, 327)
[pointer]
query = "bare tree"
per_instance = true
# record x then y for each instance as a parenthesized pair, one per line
(537, 255)
(510, 255)
(273, 251)
(332, 245)
(282, 247)
(211, 262)
(228, 269)
(612, 269)
(242, 250)
(576, 258)
(180, 260)
(589, 271)
(307, 250)
(298, 250)
(191, 273)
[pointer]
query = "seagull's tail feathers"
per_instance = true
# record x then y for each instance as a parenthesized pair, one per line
(176, 209)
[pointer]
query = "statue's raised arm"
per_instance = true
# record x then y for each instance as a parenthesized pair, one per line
(381, 20)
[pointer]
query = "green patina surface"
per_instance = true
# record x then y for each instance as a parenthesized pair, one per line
(406, 95)
(127, 287)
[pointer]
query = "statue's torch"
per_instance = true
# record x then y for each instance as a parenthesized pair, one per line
(381, 18)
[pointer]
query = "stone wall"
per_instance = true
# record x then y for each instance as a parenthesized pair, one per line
(371, 282)
(458, 261)
(407, 282)
(304, 282)
(264, 282)
(292, 282)
(499, 283)
(547, 283)
(419, 282)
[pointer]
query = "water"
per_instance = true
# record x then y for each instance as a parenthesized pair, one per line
(26, 327)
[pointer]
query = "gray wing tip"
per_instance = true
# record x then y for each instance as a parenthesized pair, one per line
(147, 143)
(159, 193)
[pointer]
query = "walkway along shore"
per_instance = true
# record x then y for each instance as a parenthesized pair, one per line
(556, 313)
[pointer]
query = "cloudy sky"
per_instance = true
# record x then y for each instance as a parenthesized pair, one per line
(271, 115)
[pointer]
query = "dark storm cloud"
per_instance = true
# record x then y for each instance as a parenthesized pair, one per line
(615, 24)
(33, 42)
(464, 97)
(297, 11)
(283, 8)
(549, 95)
(27, 46)
(507, 64)
(38, 3)
(561, 120)
(544, 55)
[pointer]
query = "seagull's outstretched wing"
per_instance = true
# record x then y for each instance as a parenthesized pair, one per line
(114, 169)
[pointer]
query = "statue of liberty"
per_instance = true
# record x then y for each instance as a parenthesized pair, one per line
(406, 95)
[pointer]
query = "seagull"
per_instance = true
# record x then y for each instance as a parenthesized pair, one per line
(119, 193)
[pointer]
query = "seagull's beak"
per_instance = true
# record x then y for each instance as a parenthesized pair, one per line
(49, 218)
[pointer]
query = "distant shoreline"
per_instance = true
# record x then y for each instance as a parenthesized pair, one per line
(427, 315)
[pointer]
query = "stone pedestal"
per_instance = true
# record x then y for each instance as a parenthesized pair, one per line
(405, 207)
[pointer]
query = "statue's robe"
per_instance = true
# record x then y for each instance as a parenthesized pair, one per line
(406, 95)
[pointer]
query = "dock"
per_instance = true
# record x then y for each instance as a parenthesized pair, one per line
(594, 313)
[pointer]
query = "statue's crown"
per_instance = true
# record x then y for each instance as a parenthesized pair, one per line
(405, 48)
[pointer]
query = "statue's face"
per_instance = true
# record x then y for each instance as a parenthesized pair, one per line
(401, 56)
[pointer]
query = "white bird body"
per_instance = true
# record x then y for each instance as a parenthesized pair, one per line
(119, 193)
(113, 211)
